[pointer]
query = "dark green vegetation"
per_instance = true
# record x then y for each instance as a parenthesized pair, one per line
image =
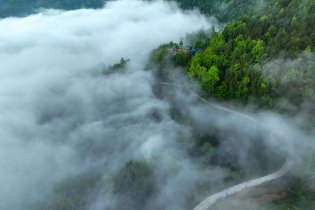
(300, 197)
(300, 190)
(238, 61)
(22, 7)
(117, 67)
(132, 185)
(256, 58)
(264, 59)
(224, 10)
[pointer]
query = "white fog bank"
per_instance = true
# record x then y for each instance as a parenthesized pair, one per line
(56, 110)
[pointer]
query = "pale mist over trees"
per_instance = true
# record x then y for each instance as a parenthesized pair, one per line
(25, 7)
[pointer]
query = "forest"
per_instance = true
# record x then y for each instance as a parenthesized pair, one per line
(225, 10)
(106, 120)
(263, 58)
(235, 63)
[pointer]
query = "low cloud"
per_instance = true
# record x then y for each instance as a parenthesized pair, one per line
(65, 115)
(59, 114)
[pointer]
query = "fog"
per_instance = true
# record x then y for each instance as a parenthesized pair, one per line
(60, 115)
(65, 115)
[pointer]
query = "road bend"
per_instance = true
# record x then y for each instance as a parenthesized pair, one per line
(284, 170)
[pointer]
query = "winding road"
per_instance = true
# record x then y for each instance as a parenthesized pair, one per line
(285, 169)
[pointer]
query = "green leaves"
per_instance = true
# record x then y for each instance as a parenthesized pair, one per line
(243, 88)
(210, 78)
(227, 68)
(258, 50)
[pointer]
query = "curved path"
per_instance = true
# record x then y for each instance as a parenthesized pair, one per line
(211, 200)
(285, 169)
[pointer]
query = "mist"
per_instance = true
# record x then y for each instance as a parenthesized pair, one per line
(67, 118)
(60, 116)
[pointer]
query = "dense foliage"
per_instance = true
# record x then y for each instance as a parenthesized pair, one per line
(235, 63)
(224, 10)
(300, 197)
(265, 59)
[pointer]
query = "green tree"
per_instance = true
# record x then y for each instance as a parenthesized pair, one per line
(243, 88)
(258, 51)
(210, 79)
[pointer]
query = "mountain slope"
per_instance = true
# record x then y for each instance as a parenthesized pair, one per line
(22, 7)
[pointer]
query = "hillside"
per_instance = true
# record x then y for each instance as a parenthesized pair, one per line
(22, 7)
(235, 63)
(94, 115)
(263, 59)
(225, 10)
